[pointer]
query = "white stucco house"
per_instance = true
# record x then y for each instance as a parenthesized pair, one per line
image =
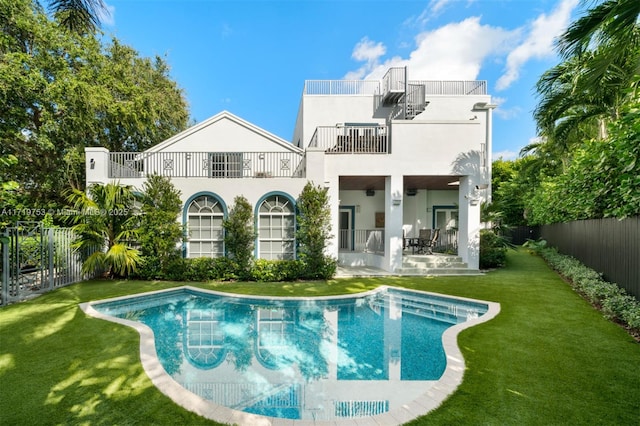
(396, 156)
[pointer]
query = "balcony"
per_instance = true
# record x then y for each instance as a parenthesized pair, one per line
(351, 139)
(205, 164)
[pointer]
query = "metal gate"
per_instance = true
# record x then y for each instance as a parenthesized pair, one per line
(36, 259)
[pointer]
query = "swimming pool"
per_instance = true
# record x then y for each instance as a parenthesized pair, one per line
(388, 353)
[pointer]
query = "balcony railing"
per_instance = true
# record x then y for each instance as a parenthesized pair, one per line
(362, 240)
(394, 81)
(351, 139)
(456, 88)
(205, 164)
(341, 87)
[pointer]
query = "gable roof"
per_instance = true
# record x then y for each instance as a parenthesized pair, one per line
(225, 115)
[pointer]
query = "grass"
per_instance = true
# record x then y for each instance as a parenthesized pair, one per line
(549, 358)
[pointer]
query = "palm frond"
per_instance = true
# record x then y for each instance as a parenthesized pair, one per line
(94, 262)
(79, 15)
(122, 259)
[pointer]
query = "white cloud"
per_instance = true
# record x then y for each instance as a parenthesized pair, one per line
(437, 5)
(107, 17)
(501, 111)
(539, 41)
(458, 50)
(369, 52)
(454, 51)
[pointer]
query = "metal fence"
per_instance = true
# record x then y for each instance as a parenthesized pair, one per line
(608, 246)
(35, 260)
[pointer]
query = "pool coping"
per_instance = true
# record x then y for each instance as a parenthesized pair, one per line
(425, 403)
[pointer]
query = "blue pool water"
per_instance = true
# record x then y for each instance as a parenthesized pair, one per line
(317, 359)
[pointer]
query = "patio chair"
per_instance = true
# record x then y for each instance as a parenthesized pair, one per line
(427, 240)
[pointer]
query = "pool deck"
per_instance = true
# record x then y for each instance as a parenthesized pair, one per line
(423, 404)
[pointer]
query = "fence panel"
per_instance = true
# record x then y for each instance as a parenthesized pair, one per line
(519, 235)
(36, 260)
(608, 246)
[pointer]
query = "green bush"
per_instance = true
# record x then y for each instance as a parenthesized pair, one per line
(324, 269)
(493, 252)
(276, 270)
(614, 302)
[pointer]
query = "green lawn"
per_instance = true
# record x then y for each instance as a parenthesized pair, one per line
(547, 359)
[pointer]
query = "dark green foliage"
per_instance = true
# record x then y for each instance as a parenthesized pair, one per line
(239, 235)
(493, 251)
(159, 231)
(276, 270)
(226, 269)
(603, 179)
(314, 229)
(62, 92)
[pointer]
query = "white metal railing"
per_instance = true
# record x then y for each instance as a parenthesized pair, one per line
(205, 164)
(394, 80)
(362, 240)
(341, 87)
(459, 87)
(374, 87)
(351, 139)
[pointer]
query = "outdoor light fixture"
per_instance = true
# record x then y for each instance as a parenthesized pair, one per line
(411, 192)
(92, 164)
(370, 192)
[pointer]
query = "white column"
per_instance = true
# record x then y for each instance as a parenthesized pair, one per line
(96, 164)
(393, 222)
(333, 191)
(469, 223)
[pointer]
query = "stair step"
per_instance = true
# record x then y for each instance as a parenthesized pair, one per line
(438, 271)
(431, 264)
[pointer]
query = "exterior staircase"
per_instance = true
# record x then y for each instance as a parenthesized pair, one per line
(434, 264)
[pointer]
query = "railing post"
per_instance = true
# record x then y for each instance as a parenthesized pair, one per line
(5, 243)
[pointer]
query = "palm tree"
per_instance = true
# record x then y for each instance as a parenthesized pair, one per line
(610, 22)
(79, 15)
(579, 96)
(106, 228)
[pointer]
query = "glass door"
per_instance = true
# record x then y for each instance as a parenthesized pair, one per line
(346, 228)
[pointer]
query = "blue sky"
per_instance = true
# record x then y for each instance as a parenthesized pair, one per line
(252, 57)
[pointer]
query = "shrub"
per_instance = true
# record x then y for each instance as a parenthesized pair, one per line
(276, 270)
(239, 235)
(613, 301)
(314, 229)
(493, 252)
(159, 232)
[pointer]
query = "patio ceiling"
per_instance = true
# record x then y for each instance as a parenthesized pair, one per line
(417, 182)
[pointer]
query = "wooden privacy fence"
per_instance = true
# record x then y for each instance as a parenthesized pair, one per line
(36, 260)
(608, 246)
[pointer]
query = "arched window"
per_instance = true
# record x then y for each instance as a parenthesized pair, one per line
(204, 223)
(276, 228)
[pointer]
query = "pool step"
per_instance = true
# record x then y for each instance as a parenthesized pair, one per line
(449, 311)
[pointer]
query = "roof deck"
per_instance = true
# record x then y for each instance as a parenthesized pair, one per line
(393, 82)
